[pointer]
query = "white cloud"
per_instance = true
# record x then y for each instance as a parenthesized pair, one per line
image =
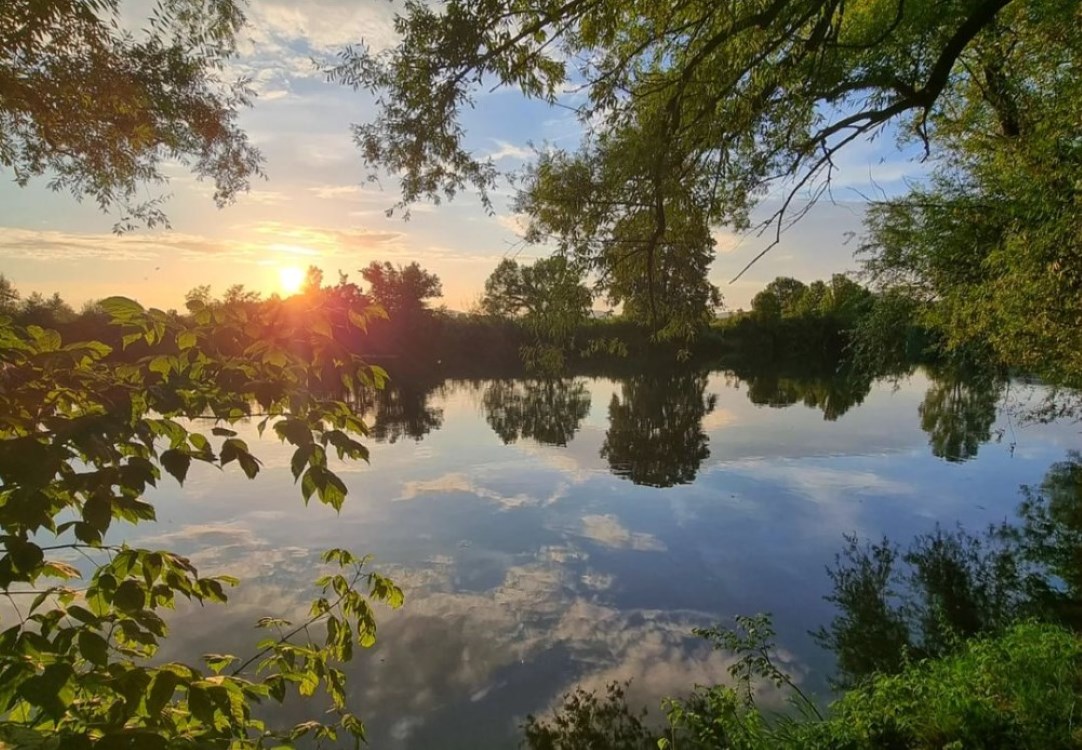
(608, 531)
(505, 150)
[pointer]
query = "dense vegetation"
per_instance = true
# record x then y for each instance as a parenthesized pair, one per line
(88, 427)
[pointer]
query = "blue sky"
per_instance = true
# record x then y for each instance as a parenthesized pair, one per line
(316, 208)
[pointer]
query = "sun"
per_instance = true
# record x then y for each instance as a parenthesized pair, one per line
(291, 278)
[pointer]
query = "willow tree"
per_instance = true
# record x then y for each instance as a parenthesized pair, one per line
(99, 111)
(991, 247)
(691, 111)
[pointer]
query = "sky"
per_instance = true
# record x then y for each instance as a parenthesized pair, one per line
(316, 207)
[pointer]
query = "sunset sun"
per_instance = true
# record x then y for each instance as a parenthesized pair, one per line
(291, 279)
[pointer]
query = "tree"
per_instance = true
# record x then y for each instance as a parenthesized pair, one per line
(100, 110)
(401, 291)
(692, 110)
(549, 294)
(789, 292)
(87, 429)
(990, 246)
(766, 306)
(9, 296)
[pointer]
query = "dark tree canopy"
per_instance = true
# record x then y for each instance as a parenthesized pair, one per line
(402, 291)
(550, 293)
(99, 110)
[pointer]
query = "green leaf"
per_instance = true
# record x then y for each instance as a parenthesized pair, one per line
(300, 459)
(223, 432)
(130, 596)
(177, 463)
(200, 704)
(121, 309)
(93, 647)
(162, 364)
(26, 557)
(218, 662)
(161, 691)
(186, 340)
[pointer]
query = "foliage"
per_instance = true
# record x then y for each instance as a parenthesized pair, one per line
(1018, 689)
(86, 430)
(583, 205)
(990, 246)
(548, 296)
(101, 110)
(587, 721)
(401, 291)
(692, 111)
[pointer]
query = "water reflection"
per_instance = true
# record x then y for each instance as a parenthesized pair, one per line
(958, 411)
(548, 411)
(897, 605)
(401, 409)
(655, 435)
(833, 394)
(530, 566)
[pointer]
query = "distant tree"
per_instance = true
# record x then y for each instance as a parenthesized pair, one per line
(789, 292)
(814, 301)
(313, 280)
(766, 306)
(237, 294)
(9, 296)
(37, 309)
(550, 293)
(100, 110)
(402, 291)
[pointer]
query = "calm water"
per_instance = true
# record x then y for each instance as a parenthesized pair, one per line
(554, 534)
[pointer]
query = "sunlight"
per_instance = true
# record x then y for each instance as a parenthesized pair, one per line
(291, 278)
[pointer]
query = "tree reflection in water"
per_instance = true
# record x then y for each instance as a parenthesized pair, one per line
(548, 411)
(655, 434)
(401, 409)
(959, 410)
(897, 605)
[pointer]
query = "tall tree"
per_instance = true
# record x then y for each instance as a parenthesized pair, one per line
(550, 293)
(402, 291)
(100, 110)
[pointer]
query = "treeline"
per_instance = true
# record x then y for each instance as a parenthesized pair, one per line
(539, 316)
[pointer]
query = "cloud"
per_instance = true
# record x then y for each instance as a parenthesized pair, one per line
(609, 532)
(460, 482)
(505, 150)
(35, 244)
(260, 238)
(330, 192)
